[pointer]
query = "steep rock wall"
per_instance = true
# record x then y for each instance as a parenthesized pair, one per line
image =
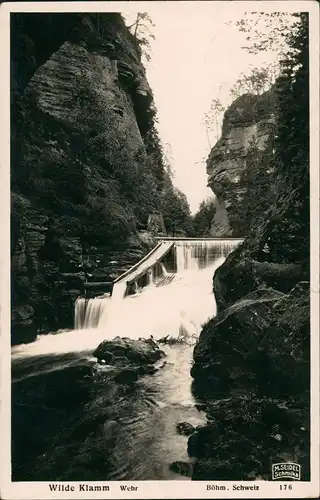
(252, 361)
(248, 128)
(82, 176)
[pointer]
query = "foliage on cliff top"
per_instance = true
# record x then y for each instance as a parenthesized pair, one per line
(281, 216)
(203, 219)
(288, 233)
(276, 182)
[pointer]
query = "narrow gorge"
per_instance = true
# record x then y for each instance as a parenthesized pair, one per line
(142, 350)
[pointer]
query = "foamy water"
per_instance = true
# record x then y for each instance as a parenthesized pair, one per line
(142, 421)
(180, 307)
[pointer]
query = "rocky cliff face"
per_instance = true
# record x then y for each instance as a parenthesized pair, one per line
(83, 176)
(252, 361)
(248, 130)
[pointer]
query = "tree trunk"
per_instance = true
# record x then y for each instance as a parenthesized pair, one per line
(136, 26)
(208, 138)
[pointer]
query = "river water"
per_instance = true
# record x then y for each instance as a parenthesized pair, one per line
(64, 429)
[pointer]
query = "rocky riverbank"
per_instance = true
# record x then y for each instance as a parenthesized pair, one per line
(251, 366)
(252, 361)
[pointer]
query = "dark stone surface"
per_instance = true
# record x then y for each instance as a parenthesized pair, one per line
(245, 435)
(255, 354)
(127, 376)
(68, 222)
(185, 428)
(182, 468)
(226, 354)
(124, 351)
(42, 404)
(239, 276)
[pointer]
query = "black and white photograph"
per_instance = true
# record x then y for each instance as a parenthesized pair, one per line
(163, 277)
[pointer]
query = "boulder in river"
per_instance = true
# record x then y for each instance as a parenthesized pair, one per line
(125, 351)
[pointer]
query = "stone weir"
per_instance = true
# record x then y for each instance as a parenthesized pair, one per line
(140, 274)
(169, 257)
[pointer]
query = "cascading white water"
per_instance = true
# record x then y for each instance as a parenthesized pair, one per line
(119, 290)
(200, 254)
(163, 269)
(150, 277)
(180, 307)
(87, 312)
(175, 309)
(146, 418)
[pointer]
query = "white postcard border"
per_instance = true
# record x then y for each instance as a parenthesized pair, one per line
(155, 489)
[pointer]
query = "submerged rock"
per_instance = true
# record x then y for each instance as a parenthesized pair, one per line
(180, 339)
(185, 428)
(127, 376)
(147, 370)
(182, 468)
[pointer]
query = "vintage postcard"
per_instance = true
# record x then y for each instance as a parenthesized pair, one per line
(159, 250)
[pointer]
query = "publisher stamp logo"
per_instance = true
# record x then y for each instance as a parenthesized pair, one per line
(286, 470)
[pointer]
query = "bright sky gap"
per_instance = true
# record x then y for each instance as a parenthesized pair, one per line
(196, 56)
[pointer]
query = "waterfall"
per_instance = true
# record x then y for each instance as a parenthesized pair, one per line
(163, 269)
(194, 255)
(175, 309)
(119, 291)
(150, 277)
(87, 312)
(178, 307)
